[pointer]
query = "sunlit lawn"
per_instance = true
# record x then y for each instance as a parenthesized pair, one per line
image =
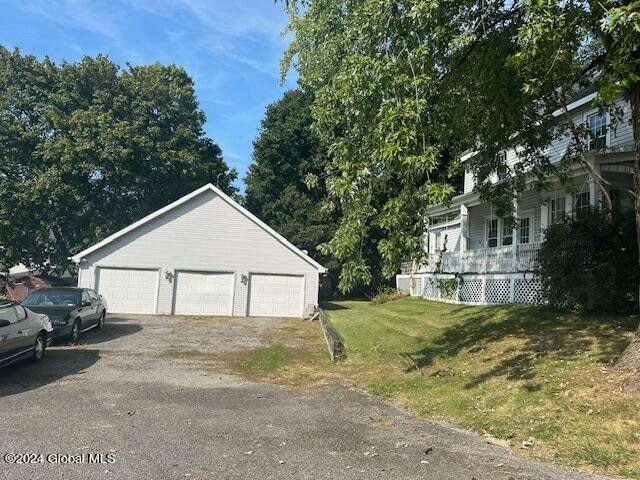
(514, 372)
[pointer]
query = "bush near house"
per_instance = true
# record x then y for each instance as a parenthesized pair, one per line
(590, 263)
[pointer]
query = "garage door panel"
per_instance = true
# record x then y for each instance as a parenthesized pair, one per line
(203, 293)
(276, 295)
(128, 290)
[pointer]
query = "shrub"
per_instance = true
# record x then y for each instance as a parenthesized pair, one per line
(591, 262)
(386, 295)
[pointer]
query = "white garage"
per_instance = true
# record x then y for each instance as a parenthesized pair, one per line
(201, 255)
(128, 290)
(276, 295)
(204, 293)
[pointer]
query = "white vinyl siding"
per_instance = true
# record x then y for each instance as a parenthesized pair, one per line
(203, 234)
(469, 182)
(204, 293)
(276, 295)
(128, 290)
(619, 136)
(442, 237)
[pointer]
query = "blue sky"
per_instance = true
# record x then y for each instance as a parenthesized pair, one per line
(230, 48)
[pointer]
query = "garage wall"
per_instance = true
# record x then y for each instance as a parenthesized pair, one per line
(203, 234)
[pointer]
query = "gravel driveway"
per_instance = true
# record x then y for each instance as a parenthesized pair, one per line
(148, 393)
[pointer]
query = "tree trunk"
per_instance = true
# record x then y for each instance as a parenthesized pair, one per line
(630, 358)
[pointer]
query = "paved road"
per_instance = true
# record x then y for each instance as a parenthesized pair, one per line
(148, 391)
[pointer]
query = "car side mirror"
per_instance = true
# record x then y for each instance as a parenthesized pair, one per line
(86, 304)
(4, 323)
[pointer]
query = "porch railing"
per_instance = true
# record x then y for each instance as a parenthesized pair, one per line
(482, 260)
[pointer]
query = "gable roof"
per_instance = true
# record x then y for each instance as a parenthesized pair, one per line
(206, 188)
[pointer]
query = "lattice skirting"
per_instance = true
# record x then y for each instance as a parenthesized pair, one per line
(475, 289)
(471, 291)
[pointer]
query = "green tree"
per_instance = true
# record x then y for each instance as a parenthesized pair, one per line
(402, 88)
(286, 154)
(86, 148)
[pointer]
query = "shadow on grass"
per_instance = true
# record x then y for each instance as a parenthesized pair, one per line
(543, 332)
(333, 306)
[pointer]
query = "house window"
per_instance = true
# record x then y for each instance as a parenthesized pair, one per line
(525, 230)
(507, 233)
(492, 232)
(557, 210)
(597, 126)
(583, 203)
(437, 242)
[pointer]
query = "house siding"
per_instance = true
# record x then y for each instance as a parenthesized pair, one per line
(476, 216)
(620, 137)
(203, 234)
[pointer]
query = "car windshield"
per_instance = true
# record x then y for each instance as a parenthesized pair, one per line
(52, 298)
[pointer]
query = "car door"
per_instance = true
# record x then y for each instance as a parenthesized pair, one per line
(86, 311)
(95, 302)
(12, 342)
(27, 329)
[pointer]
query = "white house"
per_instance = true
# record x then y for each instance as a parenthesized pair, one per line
(201, 255)
(494, 263)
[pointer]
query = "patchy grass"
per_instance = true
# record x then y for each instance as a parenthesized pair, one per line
(513, 372)
(298, 365)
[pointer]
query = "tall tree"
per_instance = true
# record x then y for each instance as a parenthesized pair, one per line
(402, 88)
(86, 148)
(286, 155)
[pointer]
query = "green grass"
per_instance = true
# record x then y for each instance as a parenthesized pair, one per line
(268, 359)
(513, 372)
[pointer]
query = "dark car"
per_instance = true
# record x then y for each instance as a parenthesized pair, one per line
(71, 310)
(23, 334)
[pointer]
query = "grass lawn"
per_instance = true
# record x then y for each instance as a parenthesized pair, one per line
(513, 372)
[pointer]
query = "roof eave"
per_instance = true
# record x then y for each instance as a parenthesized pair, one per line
(77, 258)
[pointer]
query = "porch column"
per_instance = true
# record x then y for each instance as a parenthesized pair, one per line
(515, 234)
(464, 227)
(594, 193)
(544, 219)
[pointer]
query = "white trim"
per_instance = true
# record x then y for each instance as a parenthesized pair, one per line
(577, 103)
(208, 187)
(468, 155)
(233, 293)
(498, 231)
(607, 123)
(612, 167)
(450, 223)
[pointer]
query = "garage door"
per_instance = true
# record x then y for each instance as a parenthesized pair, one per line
(276, 295)
(128, 290)
(203, 293)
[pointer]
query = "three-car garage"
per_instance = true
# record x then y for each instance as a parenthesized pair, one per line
(201, 255)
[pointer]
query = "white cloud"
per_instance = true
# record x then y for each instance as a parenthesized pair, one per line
(74, 13)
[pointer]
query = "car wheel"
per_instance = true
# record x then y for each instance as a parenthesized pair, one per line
(38, 348)
(75, 332)
(101, 320)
